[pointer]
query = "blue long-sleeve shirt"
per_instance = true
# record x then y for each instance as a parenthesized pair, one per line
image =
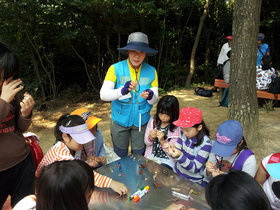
(192, 161)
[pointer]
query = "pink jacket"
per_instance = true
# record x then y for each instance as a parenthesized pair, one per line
(171, 137)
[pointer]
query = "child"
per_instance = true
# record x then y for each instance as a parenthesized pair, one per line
(236, 190)
(265, 73)
(230, 152)
(61, 187)
(94, 149)
(161, 130)
(193, 147)
(71, 133)
(268, 176)
(16, 160)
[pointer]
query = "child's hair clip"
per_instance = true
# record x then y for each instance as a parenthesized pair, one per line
(68, 123)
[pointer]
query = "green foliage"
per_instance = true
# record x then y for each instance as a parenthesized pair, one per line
(71, 43)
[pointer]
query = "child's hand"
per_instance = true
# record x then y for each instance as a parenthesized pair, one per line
(153, 134)
(101, 160)
(176, 207)
(210, 167)
(91, 161)
(26, 104)
(118, 187)
(216, 173)
(160, 136)
(10, 89)
(174, 152)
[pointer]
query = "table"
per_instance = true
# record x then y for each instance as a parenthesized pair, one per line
(157, 198)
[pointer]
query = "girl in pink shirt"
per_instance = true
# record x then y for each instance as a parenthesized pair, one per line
(161, 130)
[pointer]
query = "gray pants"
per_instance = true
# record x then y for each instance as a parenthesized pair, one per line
(121, 136)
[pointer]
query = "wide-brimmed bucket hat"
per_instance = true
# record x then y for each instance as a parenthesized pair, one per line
(138, 41)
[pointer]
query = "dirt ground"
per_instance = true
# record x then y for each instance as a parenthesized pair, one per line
(213, 115)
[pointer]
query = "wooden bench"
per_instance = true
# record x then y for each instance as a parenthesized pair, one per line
(260, 93)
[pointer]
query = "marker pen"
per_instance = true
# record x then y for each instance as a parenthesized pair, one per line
(132, 196)
(120, 168)
(180, 195)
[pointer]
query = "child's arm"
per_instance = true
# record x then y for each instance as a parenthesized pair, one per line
(104, 181)
(148, 136)
(261, 175)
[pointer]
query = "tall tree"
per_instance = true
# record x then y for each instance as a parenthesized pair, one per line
(192, 60)
(243, 104)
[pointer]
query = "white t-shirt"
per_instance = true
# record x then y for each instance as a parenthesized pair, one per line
(27, 203)
(223, 53)
(267, 186)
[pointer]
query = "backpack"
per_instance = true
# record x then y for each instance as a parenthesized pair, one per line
(203, 92)
(37, 152)
(274, 86)
(224, 101)
(264, 77)
(242, 158)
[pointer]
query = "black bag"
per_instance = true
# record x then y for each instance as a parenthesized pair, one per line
(274, 86)
(202, 92)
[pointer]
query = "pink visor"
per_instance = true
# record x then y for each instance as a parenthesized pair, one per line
(79, 133)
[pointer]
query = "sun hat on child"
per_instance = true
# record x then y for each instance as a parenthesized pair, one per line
(229, 37)
(138, 41)
(228, 135)
(88, 117)
(260, 36)
(188, 117)
(273, 166)
(79, 133)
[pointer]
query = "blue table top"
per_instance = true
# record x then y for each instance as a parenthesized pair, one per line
(135, 176)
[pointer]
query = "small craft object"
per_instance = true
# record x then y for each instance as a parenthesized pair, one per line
(144, 165)
(180, 195)
(175, 189)
(157, 184)
(155, 175)
(165, 171)
(141, 172)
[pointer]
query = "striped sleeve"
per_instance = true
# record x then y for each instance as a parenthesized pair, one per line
(101, 181)
(192, 162)
(99, 197)
(54, 154)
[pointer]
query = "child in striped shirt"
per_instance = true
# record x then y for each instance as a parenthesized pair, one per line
(71, 133)
(193, 147)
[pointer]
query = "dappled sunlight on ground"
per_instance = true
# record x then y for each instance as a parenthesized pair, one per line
(213, 115)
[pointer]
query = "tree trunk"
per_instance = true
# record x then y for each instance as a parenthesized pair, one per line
(243, 104)
(192, 61)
